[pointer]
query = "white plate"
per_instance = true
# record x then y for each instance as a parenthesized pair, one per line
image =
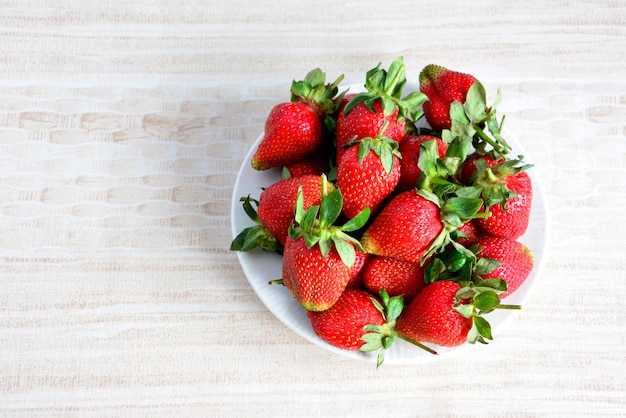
(260, 267)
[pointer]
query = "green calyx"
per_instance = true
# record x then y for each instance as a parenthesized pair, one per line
(314, 92)
(384, 147)
(257, 235)
(387, 86)
(477, 296)
(491, 181)
(380, 337)
(476, 300)
(317, 225)
(469, 120)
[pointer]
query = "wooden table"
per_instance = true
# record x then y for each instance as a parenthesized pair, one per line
(122, 128)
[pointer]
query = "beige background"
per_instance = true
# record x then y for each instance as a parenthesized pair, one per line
(122, 127)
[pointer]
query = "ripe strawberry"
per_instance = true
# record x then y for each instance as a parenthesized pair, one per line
(507, 193)
(442, 86)
(316, 281)
(515, 261)
(469, 234)
(367, 174)
(404, 228)
(359, 321)
(318, 255)
(431, 317)
(294, 130)
(396, 276)
(366, 113)
(362, 122)
(343, 324)
(410, 149)
(317, 164)
(275, 211)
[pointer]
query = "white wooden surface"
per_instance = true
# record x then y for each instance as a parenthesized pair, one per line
(122, 127)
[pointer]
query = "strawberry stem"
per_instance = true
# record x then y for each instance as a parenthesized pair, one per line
(495, 144)
(514, 307)
(416, 343)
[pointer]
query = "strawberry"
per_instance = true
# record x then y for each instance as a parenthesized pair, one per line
(382, 103)
(343, 324)
(515, 261)
(317, 164)
(360, 321)
(469, 234)
(431, 316)
(415, 224)
(275, 211)
(315, 280)
(409, 150)
(367, 174)
(396, 276)
(447, 314)
(507, 192)
(404, 228)
(442, 87)
(362, 122)
(318, 254)
(294, 130)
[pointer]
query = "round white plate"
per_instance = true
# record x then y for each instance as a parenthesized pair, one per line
(260, 266)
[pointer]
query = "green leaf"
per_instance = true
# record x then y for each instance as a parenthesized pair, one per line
(311, 240)
(486, 301)
(378, 306)
(483, 327)
(428, 155)
(476, 103)
(330, 208)
(495, 284)
(357, 222)
(464, 207)
(394, 308)
(248, 209)
(485, 266)
(308, 219)
(457, 113)
(373, 341)
(433, 270)
(299, 210)
(466, 310)
(346, 251)
(379, 359)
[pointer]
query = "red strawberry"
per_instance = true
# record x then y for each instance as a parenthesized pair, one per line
(319, 255)
(442, 87)
(362, 122)
(469, 234)
(367, 174)
(507, 192)
(359, 321)
(343, 324)
(404, 228)
(396, 276)
(409, 149)
(516, 261)
(317, 164)
(315, 280)
(293, 130)
(366, 113)
(276, 211)
(431, 316)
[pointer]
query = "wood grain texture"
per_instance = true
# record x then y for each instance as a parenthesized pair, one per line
(122, 128)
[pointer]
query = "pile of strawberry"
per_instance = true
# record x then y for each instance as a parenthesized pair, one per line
(388, 229)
